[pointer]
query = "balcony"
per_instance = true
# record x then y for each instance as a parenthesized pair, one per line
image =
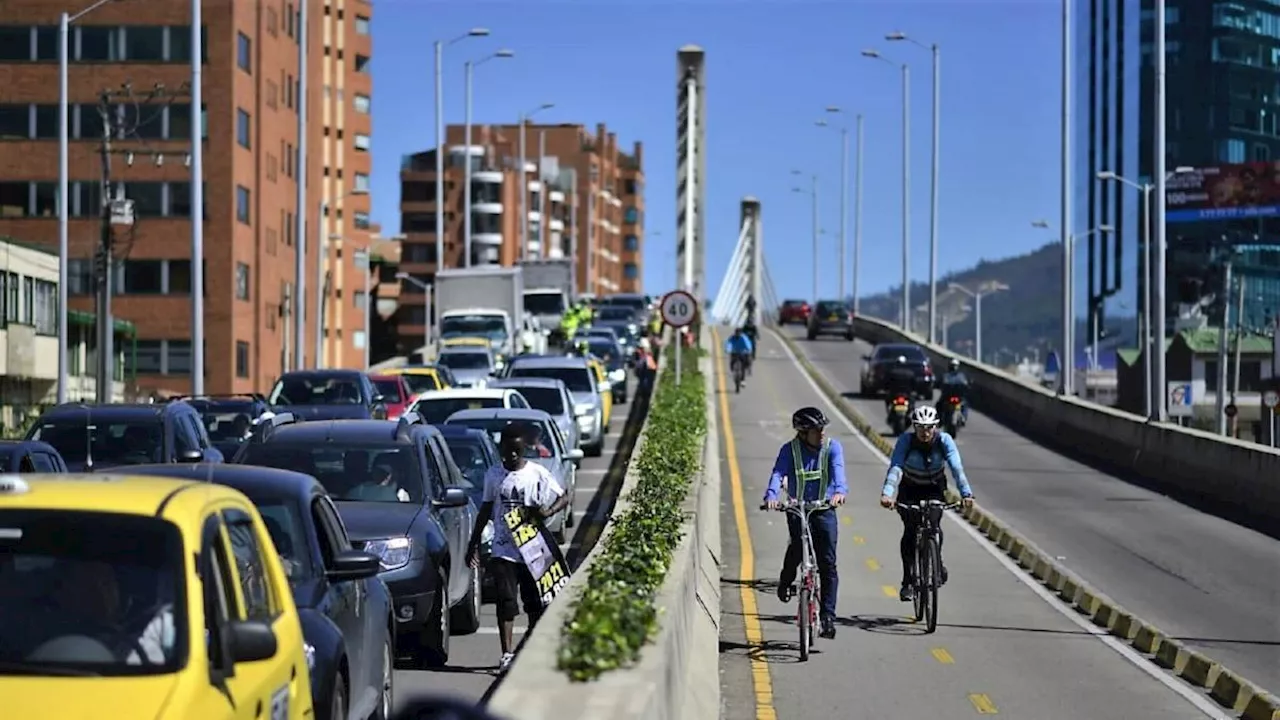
(487, 176)
(535, 247)
(556, 224)
(487, 239)
(486, 208)
(486, 255)
(556, 196)
(535, 216)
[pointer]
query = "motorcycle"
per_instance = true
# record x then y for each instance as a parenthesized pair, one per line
(899, 414)
(952, 415)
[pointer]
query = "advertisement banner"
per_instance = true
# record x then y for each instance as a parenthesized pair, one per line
(1224, 192)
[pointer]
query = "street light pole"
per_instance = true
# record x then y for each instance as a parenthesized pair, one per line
(466, 192)
(300, 176)
(523, 182)
(906, 198)
(1068, 312)
(857, 220)
(977, 295)
(813, 194)
(844, 198)
(440, 204)
(426, 309)
(1158, 174)
(197, 200)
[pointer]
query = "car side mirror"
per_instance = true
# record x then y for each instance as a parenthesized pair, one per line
(251, 641)
(452, 498)
(353, 565)
(575, 455)
(379, 399)
(193, 456)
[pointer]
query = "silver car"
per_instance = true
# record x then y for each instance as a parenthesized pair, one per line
(472, 366)
(550, 396)
(588, 407)
(547, 448)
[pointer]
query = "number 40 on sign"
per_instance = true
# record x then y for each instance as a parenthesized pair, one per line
(679, 309)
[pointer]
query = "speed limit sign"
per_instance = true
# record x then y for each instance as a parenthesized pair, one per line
(1270, 398)
(679, 308)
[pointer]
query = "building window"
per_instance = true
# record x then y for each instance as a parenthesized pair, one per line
(242, 359)
(361, 220)
(242, 204)
(15, 43)
(630, 271)
(141, 277)
(631, 216)
(361, 183)
(147, 197)
(362, 25)
(144, 44)
(631, 243)
(1231, 151)
(177, 357)
(362, 142)
(242, 281)
(362, 63)
(244, 53)
(147, 357)
(361, 103)
(179, 123)
(242, 128)
(15, 122)
(180, 277)
(629, 187)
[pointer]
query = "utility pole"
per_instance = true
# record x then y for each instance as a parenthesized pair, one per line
(1220, 401)
(300, 233)
(103, 268)
(1235, 381)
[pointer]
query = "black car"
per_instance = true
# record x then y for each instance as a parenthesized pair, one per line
(831, 317)
(94, 437)
(877, 366)
(614, 356)
(345, 609)
(474, 453)
(30, 456)
(227, 418)
(624, 319)
(328, 395)
(402, 498)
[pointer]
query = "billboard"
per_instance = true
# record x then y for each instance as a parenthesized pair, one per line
(1224, 192)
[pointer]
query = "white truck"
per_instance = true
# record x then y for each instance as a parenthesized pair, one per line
(484, 302)
(548, 290)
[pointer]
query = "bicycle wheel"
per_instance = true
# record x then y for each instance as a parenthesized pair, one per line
(929, 583)
(803, 616)
(737, 378)
(919, 579)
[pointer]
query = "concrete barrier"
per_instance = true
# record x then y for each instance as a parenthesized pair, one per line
(1216, 474)
(677, 676)
(1247, 700)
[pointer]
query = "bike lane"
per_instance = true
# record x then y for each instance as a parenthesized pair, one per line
(1000, 648)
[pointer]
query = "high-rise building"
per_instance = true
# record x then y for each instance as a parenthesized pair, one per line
(130, 62)
(584, 200)
(1222, 101)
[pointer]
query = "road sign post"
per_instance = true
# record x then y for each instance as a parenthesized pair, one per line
(679, 309)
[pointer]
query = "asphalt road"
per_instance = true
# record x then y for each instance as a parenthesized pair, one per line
(1002, 645)
(473, 659)
(1208, 582)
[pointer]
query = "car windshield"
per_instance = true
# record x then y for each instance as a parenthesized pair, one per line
(389, 389)
(830, 308)
(421, 382)
(468, 454)
(493, 327)
(464, 360)
(315, 390)
(910, 352)
(615, 313)
(97, 594)
(436, 410)
(547, 399)
(576, 379)
(544, 303)
(284, 523)
(365, 474)
(604, 349)
(226, 422)
(537, 433)
(109, 442)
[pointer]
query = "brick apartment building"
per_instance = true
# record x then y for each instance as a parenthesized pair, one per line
(250, 96)
(583, 186)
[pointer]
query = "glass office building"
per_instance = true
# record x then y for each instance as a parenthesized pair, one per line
(1222, 101)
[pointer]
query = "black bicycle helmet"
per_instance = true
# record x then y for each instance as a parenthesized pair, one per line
(808, 418)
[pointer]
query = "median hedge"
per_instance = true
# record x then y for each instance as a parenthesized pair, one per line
(615, 615)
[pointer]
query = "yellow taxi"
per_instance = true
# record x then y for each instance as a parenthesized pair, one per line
(604, 386)
(146, 597)
(420, 378)
(466, 342)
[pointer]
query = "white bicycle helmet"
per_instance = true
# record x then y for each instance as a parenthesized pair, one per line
(924, 415)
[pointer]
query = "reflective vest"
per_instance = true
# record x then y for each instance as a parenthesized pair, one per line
(804, 477)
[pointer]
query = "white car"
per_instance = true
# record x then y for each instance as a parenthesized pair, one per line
(437, 405)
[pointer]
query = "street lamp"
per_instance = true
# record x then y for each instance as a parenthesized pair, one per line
(64, 212)
(1069, 300)
(523, 187)
(814, 195)
(426, 307)
(844, 193)
(984, 289)
(906, 182)
(466, 202)
(365, 265)
(440, 45)
(933, 182)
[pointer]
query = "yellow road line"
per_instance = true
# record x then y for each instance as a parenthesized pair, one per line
(846, 520)
(983, 704)
(889, 591)
(873, 564)
(760, 678)
(942, 656)
(859, 540)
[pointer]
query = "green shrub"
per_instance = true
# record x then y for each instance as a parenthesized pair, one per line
(614, 616)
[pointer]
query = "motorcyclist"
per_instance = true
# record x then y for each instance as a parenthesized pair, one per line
(900, 379)
(813, 466)
(739, 348)
(917, 473)
(954, 384)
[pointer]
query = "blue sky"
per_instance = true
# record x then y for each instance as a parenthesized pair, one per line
(772, 67)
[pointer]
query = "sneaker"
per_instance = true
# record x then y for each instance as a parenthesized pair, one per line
(907, 593)
(506, 661)
(942, 572)
(828, 628)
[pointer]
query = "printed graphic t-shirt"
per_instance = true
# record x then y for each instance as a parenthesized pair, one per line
(530, 486)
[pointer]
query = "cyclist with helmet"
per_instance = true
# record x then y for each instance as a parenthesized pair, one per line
(753, 334)
(739, 348)
(955, 383)
(917, 471)
(813, 467)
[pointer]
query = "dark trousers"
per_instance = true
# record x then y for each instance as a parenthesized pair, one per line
(910, 524)
(513, 584)
(824, 527)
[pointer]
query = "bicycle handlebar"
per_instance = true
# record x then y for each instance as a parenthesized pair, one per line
(920, 506)
(809, 505)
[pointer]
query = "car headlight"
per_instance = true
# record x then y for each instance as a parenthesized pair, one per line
(618, 375)
(310, 651)
(583, 409)
(393, 552)
(486, 535)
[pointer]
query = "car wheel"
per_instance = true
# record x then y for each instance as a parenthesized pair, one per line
(596, 450)
(569, 519)
(338, 699)
(386, 697)
(434, 648)
(466, 614)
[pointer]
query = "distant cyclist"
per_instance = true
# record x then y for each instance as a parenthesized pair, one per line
(753, 334)
(955, 383)
(813, 466)
(739, 349)
(919, 462)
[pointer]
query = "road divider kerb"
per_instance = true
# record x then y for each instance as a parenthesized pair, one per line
(1226, 688)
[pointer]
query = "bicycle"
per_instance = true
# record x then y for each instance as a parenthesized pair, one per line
(928, 575)
(810, 581)
(739, 366)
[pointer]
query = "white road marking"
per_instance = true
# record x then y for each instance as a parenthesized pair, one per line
(1191, 695)
(486, 630)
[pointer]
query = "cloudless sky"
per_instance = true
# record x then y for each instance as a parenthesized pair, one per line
(772, 67)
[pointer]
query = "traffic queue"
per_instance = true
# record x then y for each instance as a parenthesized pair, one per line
(234, 556)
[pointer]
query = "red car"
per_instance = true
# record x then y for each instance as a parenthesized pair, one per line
(794, 312)
(395, 393)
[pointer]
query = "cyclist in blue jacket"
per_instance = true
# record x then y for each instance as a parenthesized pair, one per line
(919, 463)
(738, 347)
(815, 463)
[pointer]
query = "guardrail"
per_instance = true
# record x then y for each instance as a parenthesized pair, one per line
(1225, 476)
(677, 676)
